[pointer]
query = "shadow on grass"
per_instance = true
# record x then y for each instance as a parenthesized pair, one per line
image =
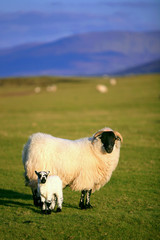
(9, 197)
(10, 203)
(10, 194)
(67, 205)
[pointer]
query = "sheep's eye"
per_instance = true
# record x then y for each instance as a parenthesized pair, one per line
(118, 138)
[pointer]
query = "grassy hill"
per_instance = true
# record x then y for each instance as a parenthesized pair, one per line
(125, 208)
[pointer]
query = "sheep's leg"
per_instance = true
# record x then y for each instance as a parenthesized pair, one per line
(48, 206)
(81, 203)
(59, 203)
(88, 195)
(44, 205)
(36, 198)
(49, 203)
(53, 204)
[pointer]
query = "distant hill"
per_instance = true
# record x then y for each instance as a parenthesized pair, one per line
(152, 67)
(84, 54)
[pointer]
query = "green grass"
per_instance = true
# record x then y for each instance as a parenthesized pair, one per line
(128, 207)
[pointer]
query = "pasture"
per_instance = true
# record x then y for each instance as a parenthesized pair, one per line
(128, 207)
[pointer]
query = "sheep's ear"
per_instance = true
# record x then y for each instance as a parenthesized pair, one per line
(118, 136)
(48, 173)
(97, 134)
(36, 173)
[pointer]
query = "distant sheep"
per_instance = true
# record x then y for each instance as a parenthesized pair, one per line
(101, 88)
(37, 90)
(52, 88)
(85, 164)
(105, 76)
(50, 191)
(113, 81)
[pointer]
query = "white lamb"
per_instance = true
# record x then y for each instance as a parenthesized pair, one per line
(50, 191)
(85, 164)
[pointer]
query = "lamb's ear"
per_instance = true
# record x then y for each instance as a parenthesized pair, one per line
(48, 173)
(118, 136)
(36, 173)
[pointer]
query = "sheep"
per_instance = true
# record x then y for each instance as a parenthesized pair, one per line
(50, 191)
(101, 88)
(84, 164)
(37, 89)
(113, 81)
(52, 88)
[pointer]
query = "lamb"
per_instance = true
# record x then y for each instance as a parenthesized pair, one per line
(84, 164)
(50, 191)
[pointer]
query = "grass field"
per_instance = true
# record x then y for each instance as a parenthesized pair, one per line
(128, 207)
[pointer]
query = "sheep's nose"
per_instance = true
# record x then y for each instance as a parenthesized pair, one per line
(109, 149)
(43, 180)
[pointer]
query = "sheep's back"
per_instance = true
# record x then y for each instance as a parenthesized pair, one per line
(78, 163)
(59, 156)
(54, 184)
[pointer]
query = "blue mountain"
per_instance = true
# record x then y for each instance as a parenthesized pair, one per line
(96, 53)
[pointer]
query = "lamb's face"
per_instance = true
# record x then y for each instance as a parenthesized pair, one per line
(108, 141)
(42, 176)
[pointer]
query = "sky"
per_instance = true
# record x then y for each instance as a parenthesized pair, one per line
(38, 21)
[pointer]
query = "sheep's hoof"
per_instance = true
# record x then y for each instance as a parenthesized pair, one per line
(48, 212)
(88, 206)
(43, 211)
(81, 205)
(37, 201)
(59, 210)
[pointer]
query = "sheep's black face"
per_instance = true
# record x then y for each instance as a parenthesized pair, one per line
(42, 176)
(43, 179)
(108, 141)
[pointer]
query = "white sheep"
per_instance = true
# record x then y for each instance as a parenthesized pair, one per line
(85, 164)
(50, 191)
(52, 88)
(113, 81)
(101, 88)
(37, 89)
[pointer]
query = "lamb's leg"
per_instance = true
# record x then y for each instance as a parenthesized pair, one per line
(52, 206)
(88, 205)
(44, 206)
(48, 206)
(81, 203)
(49, 203)
(59, 203)
(54, 200)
